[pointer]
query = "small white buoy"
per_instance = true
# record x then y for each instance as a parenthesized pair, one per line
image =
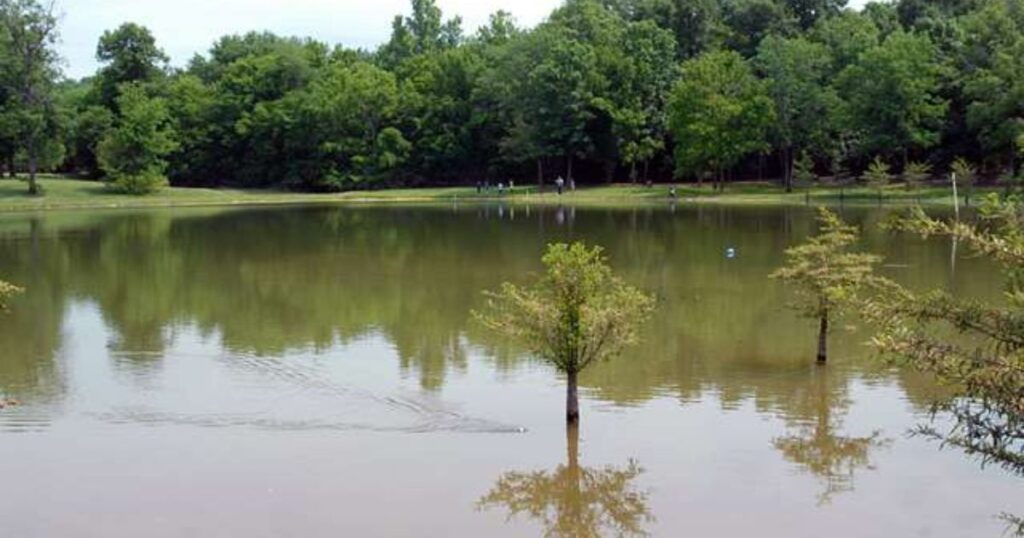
(730, 253)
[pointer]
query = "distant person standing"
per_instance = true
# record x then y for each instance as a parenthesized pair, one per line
(479, 187)
(501, 188)
(560, 183)
(572, 184)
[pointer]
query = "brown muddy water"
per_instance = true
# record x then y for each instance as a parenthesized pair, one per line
(314, 371)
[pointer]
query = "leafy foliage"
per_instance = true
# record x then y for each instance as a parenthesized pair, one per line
(965, 176)
(131, 55)
(803, 171)
(28, 33)
(877, 175)
(828, 277)
(964, 172)
(892, 94)
(718, 112)
(576, 314)
(597, 88)
(985, 363)
(133, 153)
(915, 174)
(797, 72)
(6, 291)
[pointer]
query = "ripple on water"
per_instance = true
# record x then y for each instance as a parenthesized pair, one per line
(22, 420)
(295, 394)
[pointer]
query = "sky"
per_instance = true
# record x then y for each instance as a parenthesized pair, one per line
(186, 27)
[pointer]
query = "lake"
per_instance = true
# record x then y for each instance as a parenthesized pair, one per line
(315, 371)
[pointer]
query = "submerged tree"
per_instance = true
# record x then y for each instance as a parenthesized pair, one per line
(6, 291)
(803, 174)
(964, 175)
(915, 174)
(877, 176)
(574, 501)
(577, 313)
(827, 275)
(984, 361)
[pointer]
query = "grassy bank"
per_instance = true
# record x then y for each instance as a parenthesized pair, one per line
(61, 193)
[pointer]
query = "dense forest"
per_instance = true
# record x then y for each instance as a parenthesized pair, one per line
(612, 90)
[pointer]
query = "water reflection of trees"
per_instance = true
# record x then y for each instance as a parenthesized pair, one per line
(270, 281)
(815, 443)
(30, 334)
(575, 501)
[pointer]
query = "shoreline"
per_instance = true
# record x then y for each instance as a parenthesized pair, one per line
(62, 194)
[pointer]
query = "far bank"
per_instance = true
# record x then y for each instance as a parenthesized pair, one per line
(64, 194)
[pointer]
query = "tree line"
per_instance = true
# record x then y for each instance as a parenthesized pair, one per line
(601, 90)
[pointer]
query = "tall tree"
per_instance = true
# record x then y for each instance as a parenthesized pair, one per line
(133, 154)
(809, 12)
(437, 107)
(750, 21)
(551, 78)
(797, 74)
(130, 54)
(892, 95)
(642, 81)
(424, 31)
(847, 36)
(338, 134)
(696, 24)
(29, 33)
(718, 113)
(992, 66)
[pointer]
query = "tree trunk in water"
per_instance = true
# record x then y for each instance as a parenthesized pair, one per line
(823, 339)
(573, 500)
(572, 445)
(572, 402)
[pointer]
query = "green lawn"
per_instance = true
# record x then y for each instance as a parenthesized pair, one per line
(62, 193)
